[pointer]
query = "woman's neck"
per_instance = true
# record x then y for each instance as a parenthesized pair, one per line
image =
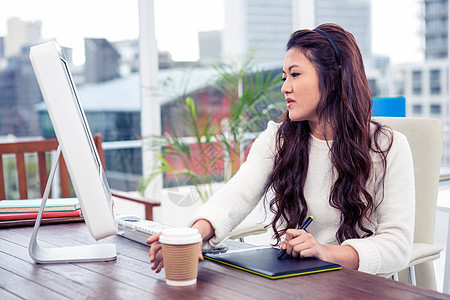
(321, 131)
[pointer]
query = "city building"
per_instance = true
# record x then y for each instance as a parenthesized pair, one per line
(259, 26)
(435, 14)
(19, 92)
(8, 123)
(21, 33)
(2, 47)
(353, 15)
(165, 60)
(129, 56)
(265, 26)
(425, 85)
(210, 46)
(102, 60)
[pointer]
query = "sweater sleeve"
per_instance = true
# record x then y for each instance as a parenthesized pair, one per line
(234, 201)
(389, 248)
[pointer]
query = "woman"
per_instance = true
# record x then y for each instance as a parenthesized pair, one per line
(326, 158)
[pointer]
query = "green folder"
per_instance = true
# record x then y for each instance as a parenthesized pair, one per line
(33, 205)
(264, 262)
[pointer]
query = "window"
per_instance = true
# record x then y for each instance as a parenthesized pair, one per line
(435, 109)
(417, 109)
(399, 86)
(435, 82)
(417, 82)
(373, 87)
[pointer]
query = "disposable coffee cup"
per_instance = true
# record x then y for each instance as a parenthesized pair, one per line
(180, 248)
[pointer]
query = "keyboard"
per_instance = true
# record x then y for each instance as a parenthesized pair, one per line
(139, 230)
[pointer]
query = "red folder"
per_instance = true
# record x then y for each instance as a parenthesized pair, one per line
(33, 215)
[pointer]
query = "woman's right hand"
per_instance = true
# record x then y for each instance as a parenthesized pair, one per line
(156, 257)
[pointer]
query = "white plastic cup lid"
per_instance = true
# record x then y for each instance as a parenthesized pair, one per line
(180, 236)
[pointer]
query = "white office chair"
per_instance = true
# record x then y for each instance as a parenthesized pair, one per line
(425, 139)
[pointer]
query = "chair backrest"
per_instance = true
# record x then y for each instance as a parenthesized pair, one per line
(40, 147)
(425, 139)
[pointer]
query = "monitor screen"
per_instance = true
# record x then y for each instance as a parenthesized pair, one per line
(74, 137)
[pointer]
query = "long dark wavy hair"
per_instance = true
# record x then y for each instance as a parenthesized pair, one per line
(345, 105)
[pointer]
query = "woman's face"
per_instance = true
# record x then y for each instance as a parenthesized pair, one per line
(301, 87)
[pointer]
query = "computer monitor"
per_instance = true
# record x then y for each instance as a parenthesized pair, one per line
(80, 154)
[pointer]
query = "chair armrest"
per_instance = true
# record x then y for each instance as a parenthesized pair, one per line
(244, 230)
(132, 197)
(424, 252)
(421, 253)
(148, 203)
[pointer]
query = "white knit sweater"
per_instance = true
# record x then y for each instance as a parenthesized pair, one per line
(388, 250)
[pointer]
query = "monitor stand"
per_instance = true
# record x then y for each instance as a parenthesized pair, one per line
(88, 253)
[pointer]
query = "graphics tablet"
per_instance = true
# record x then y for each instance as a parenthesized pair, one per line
(264, 262)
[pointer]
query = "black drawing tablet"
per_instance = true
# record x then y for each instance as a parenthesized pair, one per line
(264, 262)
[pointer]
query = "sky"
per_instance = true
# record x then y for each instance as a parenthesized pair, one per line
(395, 24)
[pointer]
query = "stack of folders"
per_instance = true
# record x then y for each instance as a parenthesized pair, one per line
(28, 209)
(444, 175)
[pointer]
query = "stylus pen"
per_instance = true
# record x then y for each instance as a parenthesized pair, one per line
(308, 221)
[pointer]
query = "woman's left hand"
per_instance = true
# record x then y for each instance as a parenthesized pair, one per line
(299, 243)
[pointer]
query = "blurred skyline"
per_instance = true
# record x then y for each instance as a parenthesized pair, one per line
(395, 24)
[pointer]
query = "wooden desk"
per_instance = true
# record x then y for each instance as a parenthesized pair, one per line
(130, 276)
